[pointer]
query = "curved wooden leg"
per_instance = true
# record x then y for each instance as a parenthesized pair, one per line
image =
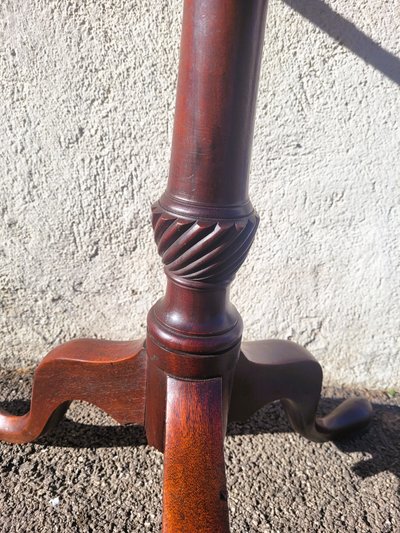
(195, 495)
(275, 369)
(108, 374)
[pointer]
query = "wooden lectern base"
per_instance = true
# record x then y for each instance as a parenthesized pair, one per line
(192, 373)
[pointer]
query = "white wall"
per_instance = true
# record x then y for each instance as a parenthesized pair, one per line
(87, 99)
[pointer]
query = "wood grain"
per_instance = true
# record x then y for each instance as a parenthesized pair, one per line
(108, 374)
(195, 495)
(204, 225)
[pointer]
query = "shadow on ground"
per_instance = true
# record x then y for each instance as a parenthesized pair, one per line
(380, 441)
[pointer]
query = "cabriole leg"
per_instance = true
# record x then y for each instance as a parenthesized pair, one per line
(282, 370)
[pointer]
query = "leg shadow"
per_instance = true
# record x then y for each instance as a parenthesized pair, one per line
(81, 434)
(380, 440)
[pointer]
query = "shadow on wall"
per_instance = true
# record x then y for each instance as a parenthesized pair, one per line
(347, 34)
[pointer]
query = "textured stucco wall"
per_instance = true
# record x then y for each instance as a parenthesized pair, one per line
(87, 99)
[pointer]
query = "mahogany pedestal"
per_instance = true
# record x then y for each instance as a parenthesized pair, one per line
(191, 373)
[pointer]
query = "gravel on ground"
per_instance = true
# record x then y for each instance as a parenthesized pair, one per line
(91, 475)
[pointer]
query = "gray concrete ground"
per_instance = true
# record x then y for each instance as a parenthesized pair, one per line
(93, 476)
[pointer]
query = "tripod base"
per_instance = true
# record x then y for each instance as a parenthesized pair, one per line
(112, 376)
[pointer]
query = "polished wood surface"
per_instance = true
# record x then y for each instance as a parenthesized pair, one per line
(221, 50)
(192, 373)
(282, 370)
(108, 374)
(195, 495)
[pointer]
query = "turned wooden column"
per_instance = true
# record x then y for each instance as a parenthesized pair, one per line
(204, 225)
(192, 373)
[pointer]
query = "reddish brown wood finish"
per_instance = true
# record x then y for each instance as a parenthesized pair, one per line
(195, 495)
(204, 225)
(217, 88)
(282, 370)
(163, 362)
(108, 374)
